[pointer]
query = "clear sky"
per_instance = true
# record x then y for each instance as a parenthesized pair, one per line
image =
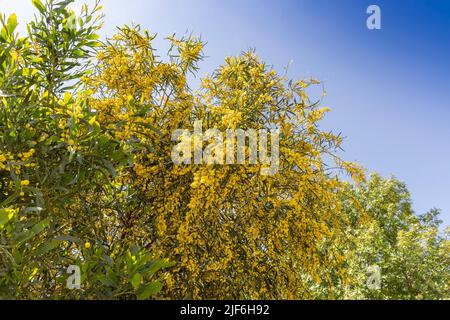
(389, 89)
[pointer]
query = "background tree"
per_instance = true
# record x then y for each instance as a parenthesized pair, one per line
(412, 252)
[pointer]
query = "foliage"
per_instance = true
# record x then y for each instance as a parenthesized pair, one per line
(55, 159)
(87, 179)
(412, 252)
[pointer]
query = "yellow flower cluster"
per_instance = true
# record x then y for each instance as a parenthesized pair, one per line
(3, 159)
(10, 163)
(232, 118)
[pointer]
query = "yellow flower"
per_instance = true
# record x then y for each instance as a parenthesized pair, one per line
(87, 245)
(24, 183)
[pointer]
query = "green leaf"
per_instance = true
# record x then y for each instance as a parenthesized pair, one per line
(94, 44)
(136, 280)
(46, 247)
(149, 290)
(110, 168)
(158, 265)
(72, 22)
(37, 228)
(12, 23)
(53, 244)
(6, 215)
(93, 36)
(38, 4)
(105, 280)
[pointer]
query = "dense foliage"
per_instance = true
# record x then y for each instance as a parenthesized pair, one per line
(410, 251)
(86, 178)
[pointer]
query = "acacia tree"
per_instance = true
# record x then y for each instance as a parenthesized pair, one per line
(231, 232)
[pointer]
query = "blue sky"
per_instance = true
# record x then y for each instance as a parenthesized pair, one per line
(389, 89)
